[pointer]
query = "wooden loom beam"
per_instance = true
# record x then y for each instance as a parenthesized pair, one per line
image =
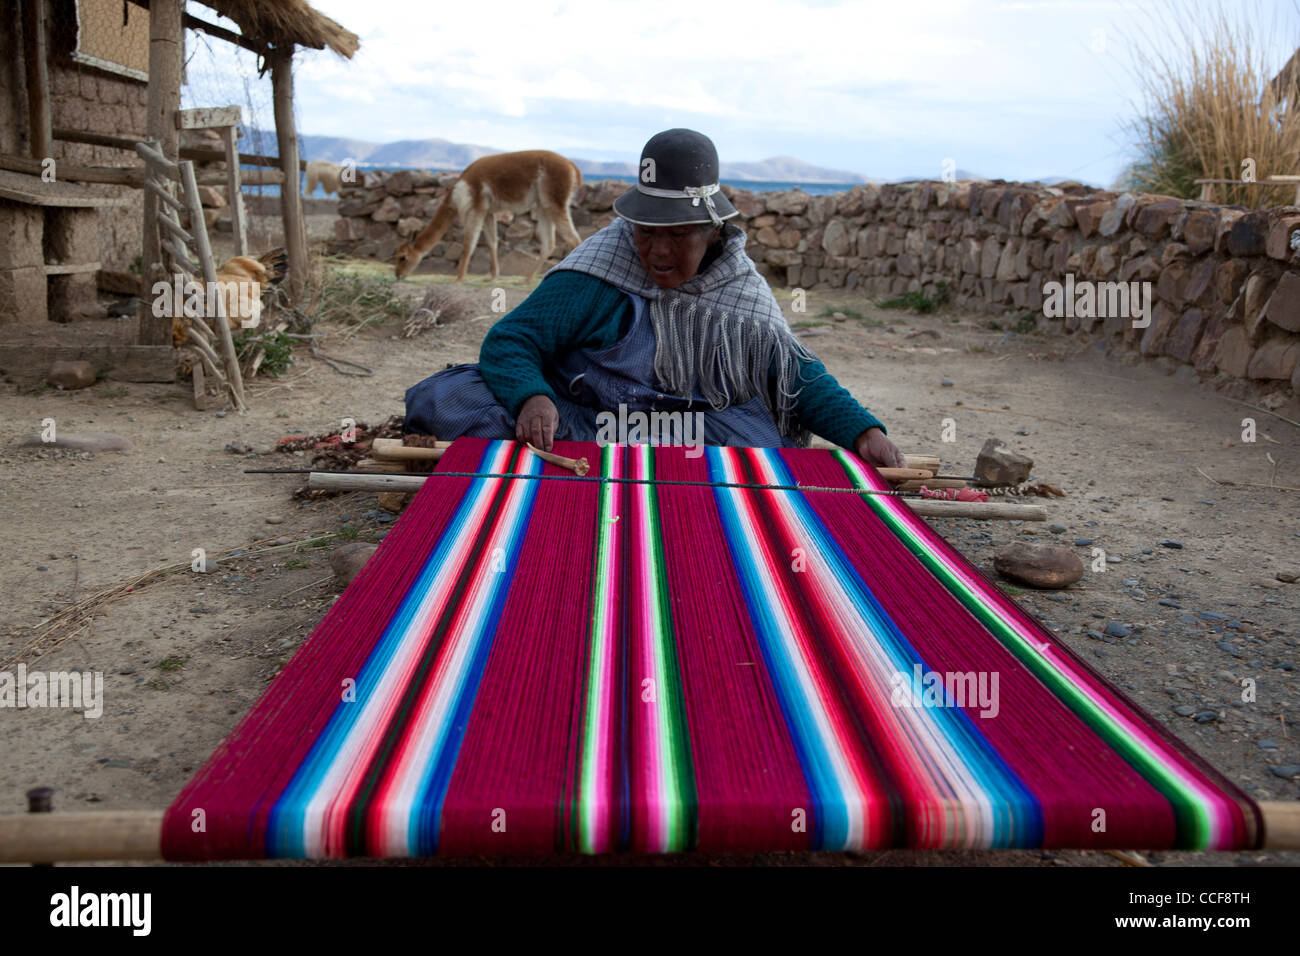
(927, 507)
(137, 834)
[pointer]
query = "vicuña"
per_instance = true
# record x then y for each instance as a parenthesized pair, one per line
(533, 179)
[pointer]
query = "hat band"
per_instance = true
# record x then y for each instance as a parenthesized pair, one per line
(693, 193)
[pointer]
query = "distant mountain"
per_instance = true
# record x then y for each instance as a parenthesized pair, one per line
(788, 169)
(410, 153)
(441, 154)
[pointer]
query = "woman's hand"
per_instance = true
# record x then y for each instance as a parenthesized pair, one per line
(874, 447)
(537, 421)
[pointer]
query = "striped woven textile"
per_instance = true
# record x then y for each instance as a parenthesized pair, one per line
(661, 663)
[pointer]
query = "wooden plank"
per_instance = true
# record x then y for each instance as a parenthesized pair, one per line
(197, 153)
(66, 174)
(1272, 181)
(35, 51)
(64, 269)
(235, 193)
(247, 177)
(137, 834)
(295, 229)
(28, 364)
(53, 837)
(205, 117)
(97, 139)
(204, 155)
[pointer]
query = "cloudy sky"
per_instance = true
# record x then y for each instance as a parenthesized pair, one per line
(1017, 89)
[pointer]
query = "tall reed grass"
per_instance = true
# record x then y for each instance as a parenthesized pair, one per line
(1203, 71)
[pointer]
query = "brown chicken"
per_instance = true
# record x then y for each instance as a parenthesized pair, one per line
(243, 302)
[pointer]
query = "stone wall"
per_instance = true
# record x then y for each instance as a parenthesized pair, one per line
(1224, 281)
(381, 210)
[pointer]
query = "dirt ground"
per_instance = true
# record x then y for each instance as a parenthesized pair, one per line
(184, 656)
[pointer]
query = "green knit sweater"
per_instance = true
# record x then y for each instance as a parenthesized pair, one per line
(570, 310)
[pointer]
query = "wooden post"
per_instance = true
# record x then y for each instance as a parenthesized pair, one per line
(295, 232)
(18, 80)
(165, 36)
(40, 800)
(235, 191)
(40, 129)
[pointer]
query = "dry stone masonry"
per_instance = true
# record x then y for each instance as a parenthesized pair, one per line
(1224, 281)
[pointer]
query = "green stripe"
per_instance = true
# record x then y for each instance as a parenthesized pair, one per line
(675, 745)
(589, 783)
(1190, 812)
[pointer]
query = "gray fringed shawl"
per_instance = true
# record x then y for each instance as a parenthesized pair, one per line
(717, 334)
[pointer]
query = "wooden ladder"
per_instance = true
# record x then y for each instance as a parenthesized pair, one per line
(189, 256)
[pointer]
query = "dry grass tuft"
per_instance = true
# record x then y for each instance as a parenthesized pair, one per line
(1209, 107)
(441, 305)
(335, 296)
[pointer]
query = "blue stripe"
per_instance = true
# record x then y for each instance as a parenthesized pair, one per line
(829, 812)
(426, 808)
(285, 837)
(1017, 815)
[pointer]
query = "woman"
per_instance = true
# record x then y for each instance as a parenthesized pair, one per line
(661, 311)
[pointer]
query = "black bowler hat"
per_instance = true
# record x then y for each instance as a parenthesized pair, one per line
(677, 183)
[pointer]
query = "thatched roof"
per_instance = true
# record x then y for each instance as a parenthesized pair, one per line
(286, 21)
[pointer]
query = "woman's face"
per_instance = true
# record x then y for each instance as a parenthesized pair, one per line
(672, 254)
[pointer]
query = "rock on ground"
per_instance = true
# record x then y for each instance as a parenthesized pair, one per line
(86, 441)
(71, 375)
(348, 560)
(1038, 565)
